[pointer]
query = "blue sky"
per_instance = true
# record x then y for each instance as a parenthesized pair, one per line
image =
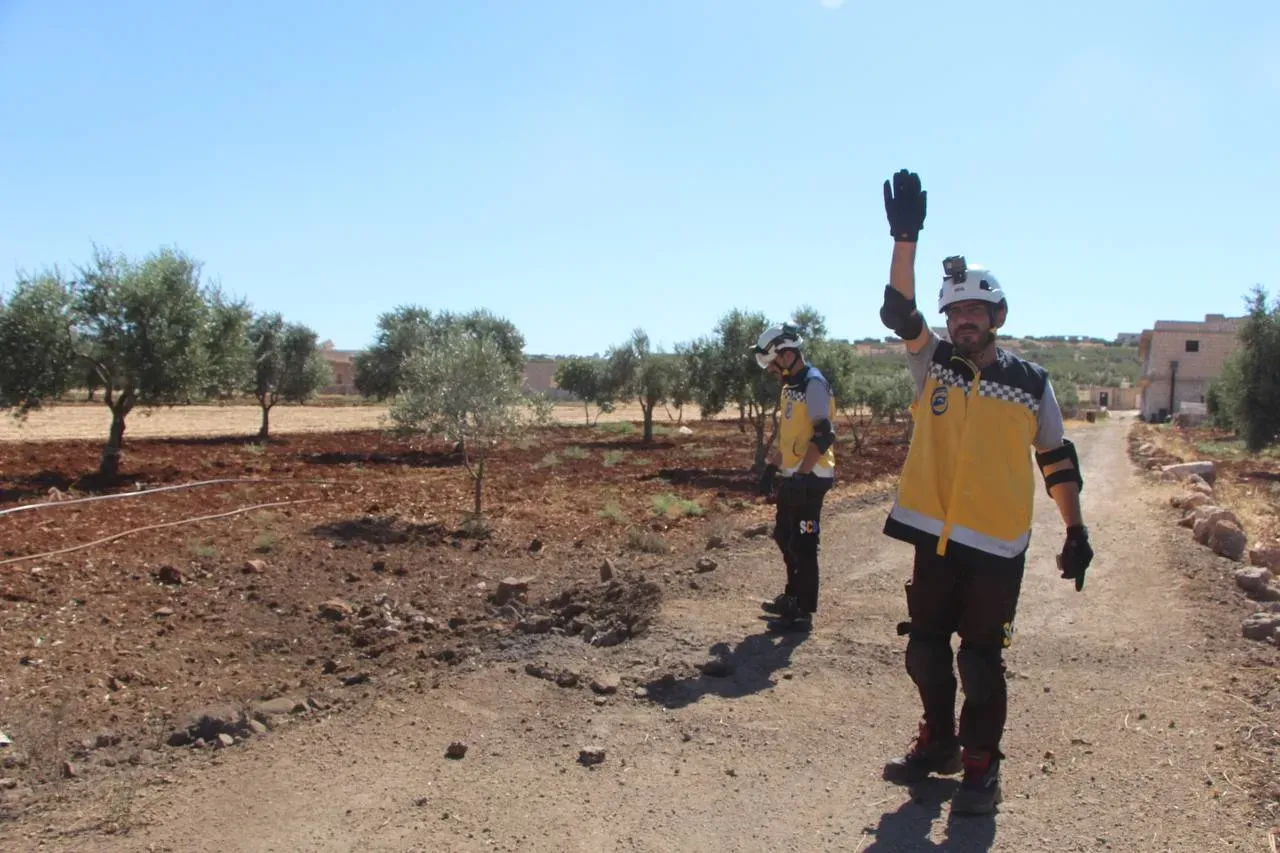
(584, 168)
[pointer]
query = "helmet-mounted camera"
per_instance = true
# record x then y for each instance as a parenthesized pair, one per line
(954, 268)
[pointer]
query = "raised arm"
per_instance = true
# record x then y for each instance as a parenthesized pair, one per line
(904, 205)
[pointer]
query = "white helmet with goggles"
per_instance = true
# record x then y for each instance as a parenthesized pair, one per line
(774, 340)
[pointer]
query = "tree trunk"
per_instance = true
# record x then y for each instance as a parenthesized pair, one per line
(479, 478)
(648, 423)
(742, 418)
(263, 430)
(761, 447)
(109, 466)
(586, 409)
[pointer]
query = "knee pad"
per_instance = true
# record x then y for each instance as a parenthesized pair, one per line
(981, 672)
(928, 658)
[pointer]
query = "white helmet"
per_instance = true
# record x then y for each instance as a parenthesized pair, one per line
(773, 340)
(961, 283)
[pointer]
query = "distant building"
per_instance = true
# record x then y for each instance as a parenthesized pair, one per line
(342, 363)
(1128, 339)
(1180, 360)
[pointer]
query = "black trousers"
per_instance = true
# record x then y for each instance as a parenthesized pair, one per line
(797, 529)
(976, 598)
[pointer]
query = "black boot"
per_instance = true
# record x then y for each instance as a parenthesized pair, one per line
(781, 603)
(979, 791)
(928, 754)
(792, 617)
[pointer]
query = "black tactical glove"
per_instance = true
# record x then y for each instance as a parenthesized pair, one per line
(905, 206)
(767, 477)
(1076, 555)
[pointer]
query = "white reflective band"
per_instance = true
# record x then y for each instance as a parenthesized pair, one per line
(962, 535)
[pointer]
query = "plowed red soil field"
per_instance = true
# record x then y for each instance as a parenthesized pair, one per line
(358, 565)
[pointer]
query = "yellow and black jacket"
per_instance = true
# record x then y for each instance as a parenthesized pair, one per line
(806, 398)
(969, 480)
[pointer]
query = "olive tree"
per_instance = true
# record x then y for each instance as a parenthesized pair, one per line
(287, 364)
(464, 388)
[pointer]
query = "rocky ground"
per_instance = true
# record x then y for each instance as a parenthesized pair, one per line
(636, 703)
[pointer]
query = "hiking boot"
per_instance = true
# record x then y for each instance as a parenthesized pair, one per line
(795, 620)
(926, 755)
(979, 791)
(780, 605)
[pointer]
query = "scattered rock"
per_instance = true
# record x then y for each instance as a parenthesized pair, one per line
(510, 589)
(755, 530)
(207, 723)
(606, 683)
(1260, 626)
(590, 756)
(357, 678)
(69, 770)
(279, 707)
(257, 728)
(1253, 580)
(607, 570)
(335, 610)
(1204, 527)
(1182, 470)
(714, 542)
(255, 567)
(163, 612)
(535, 625)
(456, 750)
(1190, 500)
(535, 546)
(706, 564)
(1267, 556)
(225, 740)
(169, 575)
(379, 566)
(1228, 540)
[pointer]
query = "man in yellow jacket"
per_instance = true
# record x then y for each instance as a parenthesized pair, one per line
(984, 419)
(804, 457)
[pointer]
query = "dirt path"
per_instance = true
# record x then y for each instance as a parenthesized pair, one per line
(1120, 734)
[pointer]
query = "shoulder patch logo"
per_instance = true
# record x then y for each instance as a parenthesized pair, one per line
(938, 402)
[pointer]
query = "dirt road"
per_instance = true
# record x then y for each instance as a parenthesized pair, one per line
(1122, 732)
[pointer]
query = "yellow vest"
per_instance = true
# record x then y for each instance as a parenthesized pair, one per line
(796, 425)
(969, 478)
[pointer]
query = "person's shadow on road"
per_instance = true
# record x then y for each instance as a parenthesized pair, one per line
(732, 672)
(907, 829)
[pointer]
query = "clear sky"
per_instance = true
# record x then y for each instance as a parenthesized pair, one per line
(584, 168)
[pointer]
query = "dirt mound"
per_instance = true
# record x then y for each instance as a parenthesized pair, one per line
(603, 614)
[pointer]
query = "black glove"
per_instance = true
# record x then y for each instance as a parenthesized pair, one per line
(767, 477)
(905, 206)
(797, 483)
(1076, 555)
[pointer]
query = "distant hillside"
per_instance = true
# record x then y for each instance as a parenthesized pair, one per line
(1084, 361)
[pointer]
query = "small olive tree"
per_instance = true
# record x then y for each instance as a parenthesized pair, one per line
(585, 378)
(287, 365)
(464, 388)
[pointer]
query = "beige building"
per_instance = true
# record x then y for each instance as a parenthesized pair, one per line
(342, 363)
(1180, 360)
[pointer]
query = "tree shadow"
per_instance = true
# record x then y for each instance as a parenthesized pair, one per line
(411, 458)
(382, 530)
(907, 828)
(33, 485)
(736, 671)
(213, 440)
(721, 479)
(40, 484)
